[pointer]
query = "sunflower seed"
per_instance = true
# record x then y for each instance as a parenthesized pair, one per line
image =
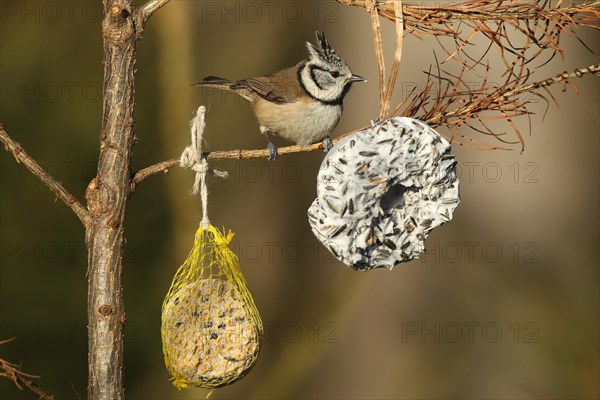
(337, 231)
(368, 153)
(390, 244)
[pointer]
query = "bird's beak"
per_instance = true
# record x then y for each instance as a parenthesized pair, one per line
(357, 78)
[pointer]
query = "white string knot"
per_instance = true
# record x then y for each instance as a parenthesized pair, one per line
(193, 159)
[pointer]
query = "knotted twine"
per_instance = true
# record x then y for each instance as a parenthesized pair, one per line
(193, 159)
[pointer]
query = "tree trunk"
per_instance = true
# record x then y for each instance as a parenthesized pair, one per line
(107, 196)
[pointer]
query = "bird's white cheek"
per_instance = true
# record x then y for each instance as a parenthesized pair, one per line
(332, 93)
(326, 94)
(312, 88)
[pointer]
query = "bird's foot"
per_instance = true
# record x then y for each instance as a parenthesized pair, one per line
(327, 144)
(272, 151)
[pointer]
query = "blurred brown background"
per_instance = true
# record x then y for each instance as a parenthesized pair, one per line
(503, 305)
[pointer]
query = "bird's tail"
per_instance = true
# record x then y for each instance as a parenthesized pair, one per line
(216, 82)
(237, 87)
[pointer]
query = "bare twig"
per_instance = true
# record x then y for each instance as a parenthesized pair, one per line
(397, 56)
(386, 91)
(142, 14)
(61, 193)
(434, 119)
(13, 372)
(150, 8)
(372, 9)
(563, 77)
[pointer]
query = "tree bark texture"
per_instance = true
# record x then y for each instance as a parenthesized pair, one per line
(106, 197)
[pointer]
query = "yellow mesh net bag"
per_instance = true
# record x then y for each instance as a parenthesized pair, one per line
(211, 329)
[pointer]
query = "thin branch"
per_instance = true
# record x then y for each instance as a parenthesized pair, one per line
(61, 193)
(146, 11)
(399, 18)
(376, 26)
(13, 372)
(435, 120)
(563, 77)
(165, 166)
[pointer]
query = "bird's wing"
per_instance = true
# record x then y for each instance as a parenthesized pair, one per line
(281, 87)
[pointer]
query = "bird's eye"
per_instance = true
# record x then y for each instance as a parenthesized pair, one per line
(335, 74)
